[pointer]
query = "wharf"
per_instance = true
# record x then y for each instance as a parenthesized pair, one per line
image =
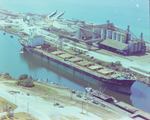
(10, 13)
(120, 106)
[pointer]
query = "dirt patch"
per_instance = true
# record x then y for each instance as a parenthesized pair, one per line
(20, 116)
(4, 104)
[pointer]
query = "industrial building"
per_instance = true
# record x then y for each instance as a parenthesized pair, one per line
(109, 37)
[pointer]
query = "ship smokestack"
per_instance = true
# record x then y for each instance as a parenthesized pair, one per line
(128, 35)
(107, 24)
(141, 36)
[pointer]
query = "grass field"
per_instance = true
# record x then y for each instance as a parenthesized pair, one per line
(4, 103)
(20, 116)
(39, 89)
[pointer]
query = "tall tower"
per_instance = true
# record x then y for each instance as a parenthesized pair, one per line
(128, 35)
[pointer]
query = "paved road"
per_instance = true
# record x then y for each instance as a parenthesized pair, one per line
(143, 73)
(22, 100)
(126, 62)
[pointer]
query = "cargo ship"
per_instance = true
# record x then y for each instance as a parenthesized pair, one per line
(86, 70)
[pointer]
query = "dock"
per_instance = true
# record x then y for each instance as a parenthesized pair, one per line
(120, 106)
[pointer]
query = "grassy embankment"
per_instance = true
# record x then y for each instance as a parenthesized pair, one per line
(20, 115)
(62, 96)
(5, 103)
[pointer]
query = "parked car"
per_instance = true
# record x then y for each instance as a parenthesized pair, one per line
(73, 91)
(121, 52)
(95, 102)
(102, 105)
(85, 98)
(61, 106)
(91, 57)
(79, 96)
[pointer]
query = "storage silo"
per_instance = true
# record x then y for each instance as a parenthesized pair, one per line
(135, 46)
(118, 37)
(103, 33)
(94, 34)
(129, 37)
(140, 44)
(143, 45)
(123, 38)
(109, 34)
(131, 47)
(99, 32)
(114, 35)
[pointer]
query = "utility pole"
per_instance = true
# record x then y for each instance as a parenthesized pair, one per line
(28, 107)
(106, 33)
(87, 106)
(82, 106)
(15, 99)
(74, 45)
(71, 95)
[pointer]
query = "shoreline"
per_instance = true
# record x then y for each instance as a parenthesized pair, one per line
(140, 74)
(65, 97)
(69, 104)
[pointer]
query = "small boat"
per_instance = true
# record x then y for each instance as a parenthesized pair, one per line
(11, 36)
(3, 33)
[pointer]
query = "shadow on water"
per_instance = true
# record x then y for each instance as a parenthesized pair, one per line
(136, 93)
(34, 64)
(138, 90)
(52, 73)
(118, 96)
(138, 98)
(25, 63)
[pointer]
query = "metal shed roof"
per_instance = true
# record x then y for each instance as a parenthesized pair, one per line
(105, 71)
(127, 107)
(64, 56)
(75, 59)
(94, 67)
(57, 52)
(84, 63)
(114, 44)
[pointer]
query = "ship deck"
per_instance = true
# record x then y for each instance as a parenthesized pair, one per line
(82, 65)
(71, 64)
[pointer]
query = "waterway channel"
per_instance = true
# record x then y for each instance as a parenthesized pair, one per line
(16, 63)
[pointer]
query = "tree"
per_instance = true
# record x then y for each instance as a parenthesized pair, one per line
(24, 76)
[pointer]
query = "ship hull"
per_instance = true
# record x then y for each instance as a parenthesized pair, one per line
(122, 86)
